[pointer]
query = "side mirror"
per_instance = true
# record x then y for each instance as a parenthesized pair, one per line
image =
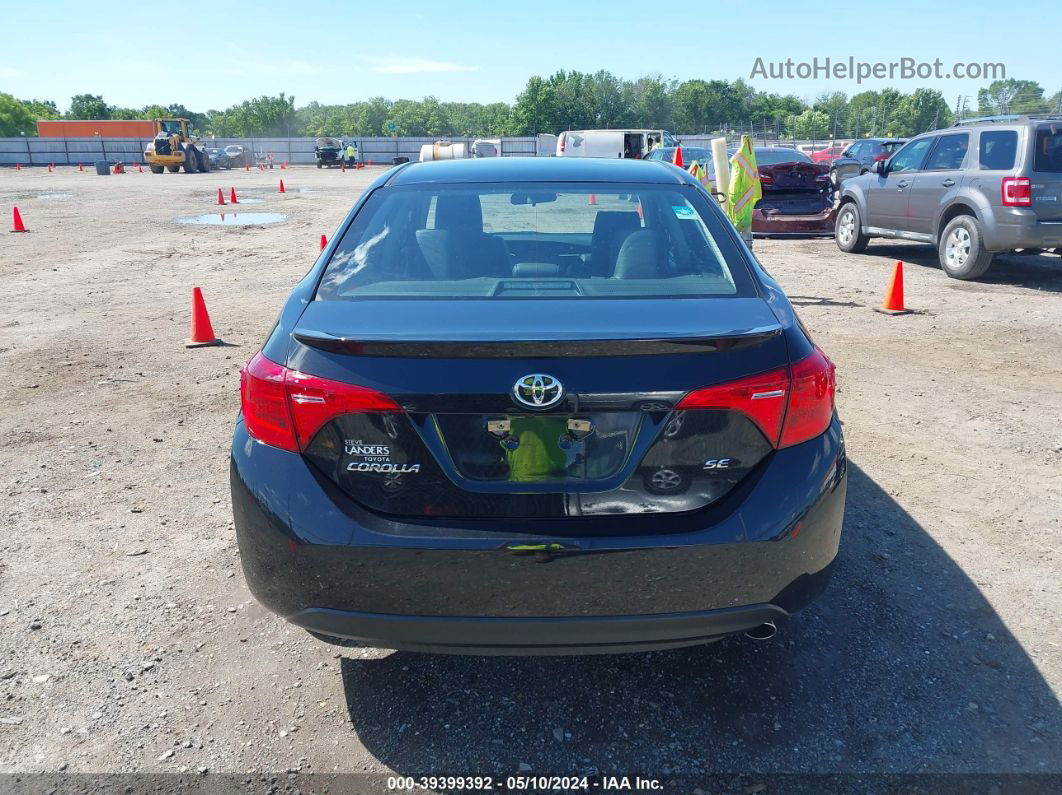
(882, 168)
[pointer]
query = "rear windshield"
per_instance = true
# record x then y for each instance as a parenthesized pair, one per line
(536, 240)
(772, 157)
(997, 149)
(1048, 149)
(891, 146)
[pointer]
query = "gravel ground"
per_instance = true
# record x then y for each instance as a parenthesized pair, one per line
(129, 641)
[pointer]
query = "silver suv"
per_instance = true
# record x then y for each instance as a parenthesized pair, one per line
(972, 190)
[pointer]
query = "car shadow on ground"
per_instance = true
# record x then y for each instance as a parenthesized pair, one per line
(901, 666)
(1035, 272)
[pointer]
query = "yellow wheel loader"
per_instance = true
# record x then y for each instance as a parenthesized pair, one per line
(173, 148)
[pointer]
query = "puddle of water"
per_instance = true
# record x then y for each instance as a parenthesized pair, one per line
(247, 200)
(233, 219)
(55, 195)
(308, 190)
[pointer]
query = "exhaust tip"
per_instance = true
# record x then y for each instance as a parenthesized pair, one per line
(764, 631)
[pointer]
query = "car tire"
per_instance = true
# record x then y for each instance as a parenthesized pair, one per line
(962, 250)
(847, 231)
(156, 169)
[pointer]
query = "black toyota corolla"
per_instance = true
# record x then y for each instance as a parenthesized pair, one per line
(544, 406)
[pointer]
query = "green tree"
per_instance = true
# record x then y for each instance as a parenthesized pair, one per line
(88, 106)
(920, 112)
(809, 124)
(1012, 96)
(42, 109)
(15, 117)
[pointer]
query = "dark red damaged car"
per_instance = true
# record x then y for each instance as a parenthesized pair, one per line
(797, 196)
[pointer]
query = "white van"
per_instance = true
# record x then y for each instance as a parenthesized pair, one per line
(631, 144)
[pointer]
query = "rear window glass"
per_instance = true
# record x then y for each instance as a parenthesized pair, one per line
(891, 147)
(536, 240)
(998, 149)
(1048, 149)
(771, 157)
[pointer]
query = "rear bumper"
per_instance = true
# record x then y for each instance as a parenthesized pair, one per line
(618, 584)
(1012, 228)
(488, 635)
(820, 223)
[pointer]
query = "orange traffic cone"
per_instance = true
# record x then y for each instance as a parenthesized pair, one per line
(281, 187)
(247, 166)
(221, 197)
(678, 157)
(18, 166)
(324, 242)
(16, 223)
(140, 169)
(284, 166)
(202, 332)
(593, 200)
(232, 196)
(893, 303)
(370, 162)
(50, 168)
(79, 167)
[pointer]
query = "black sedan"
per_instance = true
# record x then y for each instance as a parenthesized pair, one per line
(537, 406)
(218, 159)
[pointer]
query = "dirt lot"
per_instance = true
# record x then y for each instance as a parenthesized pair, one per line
(129, 641)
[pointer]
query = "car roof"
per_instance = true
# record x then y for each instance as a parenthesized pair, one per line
(538, 169)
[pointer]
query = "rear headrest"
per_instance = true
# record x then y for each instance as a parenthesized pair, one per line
(641, 256)
(435, 247)
(459, 212)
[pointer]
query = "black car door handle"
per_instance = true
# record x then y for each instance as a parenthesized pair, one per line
(948, 183)
(902, 184)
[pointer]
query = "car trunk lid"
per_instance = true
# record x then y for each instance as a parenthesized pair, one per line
(570, 412)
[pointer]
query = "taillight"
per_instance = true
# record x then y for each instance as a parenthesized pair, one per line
(761, 398)
(766, 179)
(882, 156)
(811, 397)
(1017, 191)
(789, 405)
(285, 408)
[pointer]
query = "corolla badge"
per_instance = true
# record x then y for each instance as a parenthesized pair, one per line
(538, 391)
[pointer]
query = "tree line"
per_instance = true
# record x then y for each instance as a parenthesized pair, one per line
(576, 100)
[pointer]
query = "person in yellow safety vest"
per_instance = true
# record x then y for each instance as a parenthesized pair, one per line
(352, 154)
(745, 189)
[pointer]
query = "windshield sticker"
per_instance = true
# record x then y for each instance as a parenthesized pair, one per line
(684, 211)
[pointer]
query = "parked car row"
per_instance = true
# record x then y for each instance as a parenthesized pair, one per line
(972, 190)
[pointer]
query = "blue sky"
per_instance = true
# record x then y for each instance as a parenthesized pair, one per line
(342, 52)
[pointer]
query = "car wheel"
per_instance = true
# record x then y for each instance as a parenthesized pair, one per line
(962, 250)
(156, 169)
(191, 165)
(847, 232)
(203, 161)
